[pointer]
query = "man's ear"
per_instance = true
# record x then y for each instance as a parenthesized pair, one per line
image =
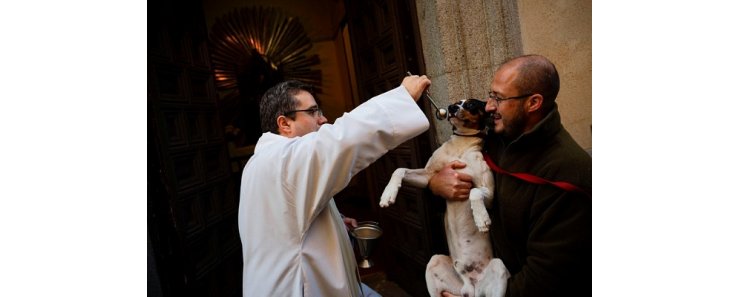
(283, 124)
(534, 103)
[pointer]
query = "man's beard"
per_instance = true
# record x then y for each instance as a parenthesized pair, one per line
(513, 125)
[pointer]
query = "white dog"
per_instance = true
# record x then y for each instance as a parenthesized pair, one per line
(470, 270)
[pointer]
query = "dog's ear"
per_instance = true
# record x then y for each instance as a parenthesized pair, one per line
(477, 107)
(482, 103)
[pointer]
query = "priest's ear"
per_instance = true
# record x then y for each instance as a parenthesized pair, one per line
(283, 124)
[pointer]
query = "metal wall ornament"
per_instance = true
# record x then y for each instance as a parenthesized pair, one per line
(252, 49)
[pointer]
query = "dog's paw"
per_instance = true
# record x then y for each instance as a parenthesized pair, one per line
(480, 215)
(483, 228)
(482, 220)
(388, 197)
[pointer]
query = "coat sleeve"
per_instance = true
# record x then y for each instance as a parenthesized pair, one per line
(558, 248)
(327, 159)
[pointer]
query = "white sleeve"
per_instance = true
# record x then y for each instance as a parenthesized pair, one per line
(327, 159)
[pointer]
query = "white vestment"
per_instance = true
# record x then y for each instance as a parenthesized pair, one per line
(293, 238)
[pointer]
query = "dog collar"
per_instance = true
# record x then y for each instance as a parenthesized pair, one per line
(478, 134)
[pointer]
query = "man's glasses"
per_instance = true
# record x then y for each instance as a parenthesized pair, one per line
(498, 99)
(313, 111)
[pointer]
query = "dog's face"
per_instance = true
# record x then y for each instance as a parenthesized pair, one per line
(468, 113)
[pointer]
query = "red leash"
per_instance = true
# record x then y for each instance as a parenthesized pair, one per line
(533, 178)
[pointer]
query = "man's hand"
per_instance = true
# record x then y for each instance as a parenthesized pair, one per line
(415, 85)
(448, 294)
(450, 184)
(349, 223)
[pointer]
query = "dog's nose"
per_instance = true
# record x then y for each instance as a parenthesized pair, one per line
(452, 109)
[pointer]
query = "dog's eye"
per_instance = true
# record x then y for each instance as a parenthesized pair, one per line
(470, 105)
(474, 105)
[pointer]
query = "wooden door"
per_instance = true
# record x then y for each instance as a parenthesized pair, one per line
(385, 41)
(192, 195)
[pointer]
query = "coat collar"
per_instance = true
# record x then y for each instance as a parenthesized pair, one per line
(547, 128)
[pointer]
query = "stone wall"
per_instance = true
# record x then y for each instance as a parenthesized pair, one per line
(464, 41)
(561, 31)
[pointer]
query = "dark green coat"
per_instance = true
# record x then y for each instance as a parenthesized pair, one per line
(540, 232)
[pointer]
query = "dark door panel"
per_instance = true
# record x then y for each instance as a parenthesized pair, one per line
(192, 206)
(384, 40)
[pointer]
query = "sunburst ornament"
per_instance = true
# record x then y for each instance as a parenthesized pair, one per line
(260, 43)
(254, 48)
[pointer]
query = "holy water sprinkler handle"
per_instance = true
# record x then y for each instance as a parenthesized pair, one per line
(441, 113)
